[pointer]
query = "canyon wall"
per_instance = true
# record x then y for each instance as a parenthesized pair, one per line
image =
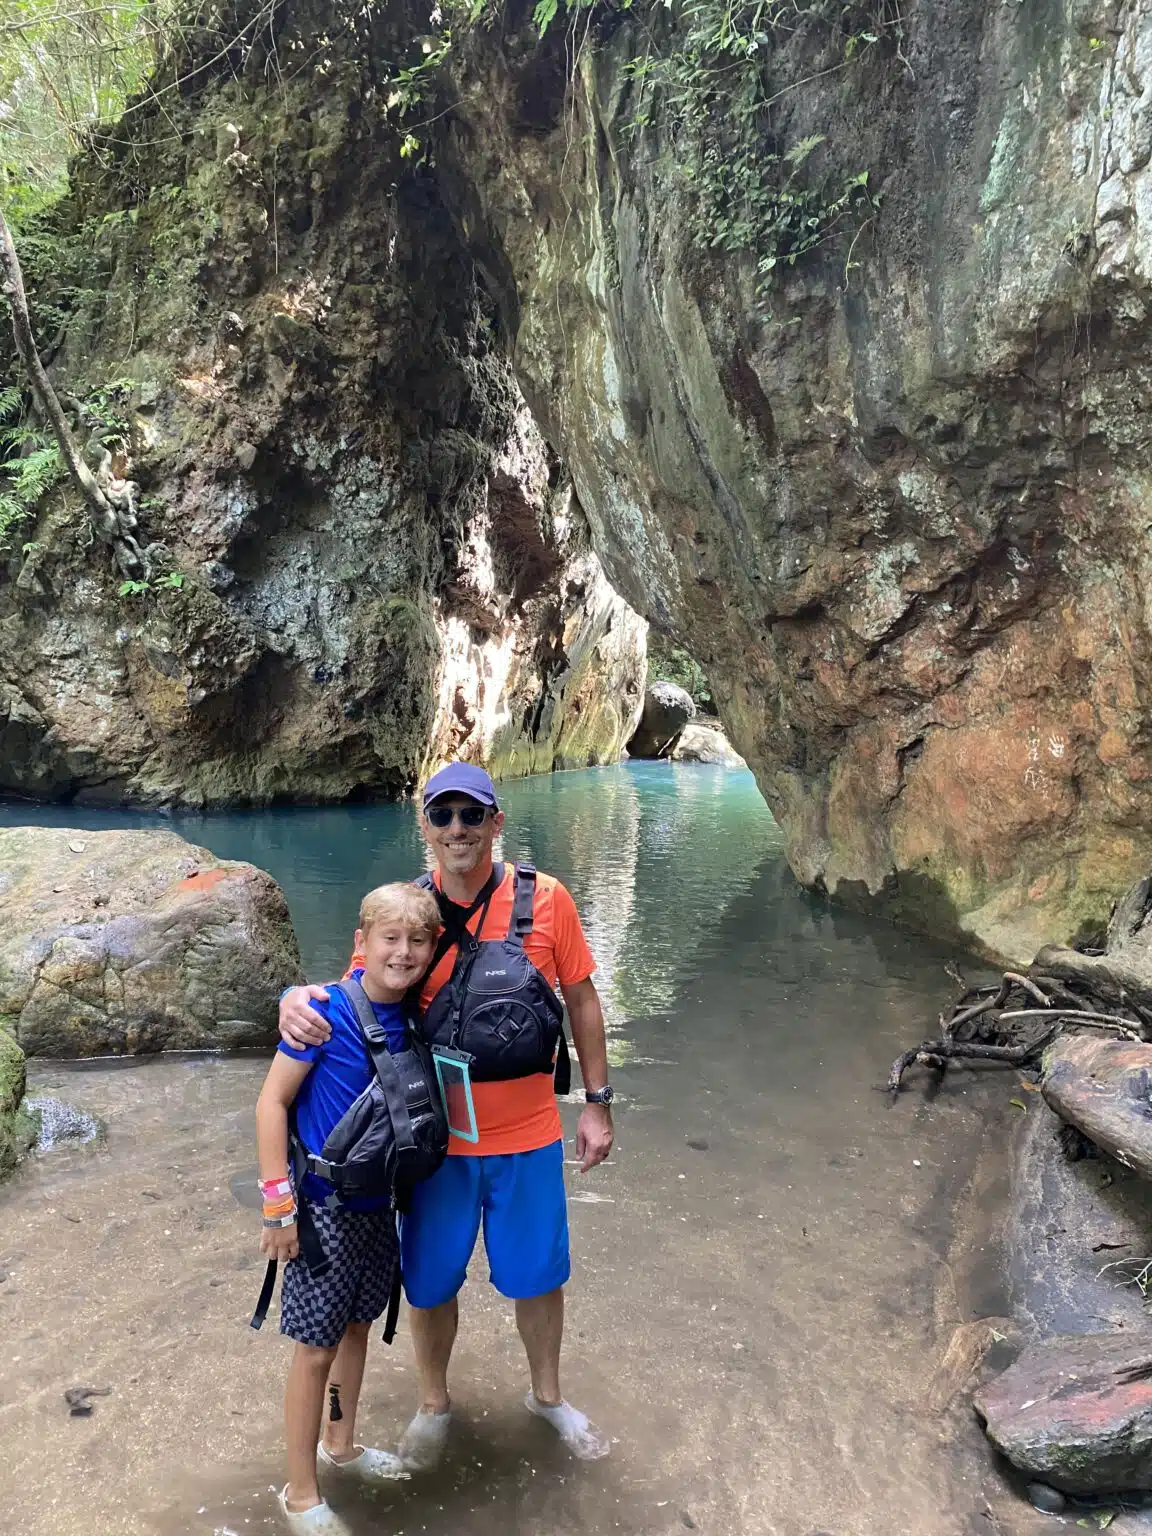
(897, 505)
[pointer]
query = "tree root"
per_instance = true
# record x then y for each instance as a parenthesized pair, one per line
(982, 1024)
(109, 496)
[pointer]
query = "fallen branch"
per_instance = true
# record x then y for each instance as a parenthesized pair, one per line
(112, 524)
(935, 1053)
(1077, 1016)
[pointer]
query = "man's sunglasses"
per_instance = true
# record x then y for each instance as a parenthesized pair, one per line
(470, 815)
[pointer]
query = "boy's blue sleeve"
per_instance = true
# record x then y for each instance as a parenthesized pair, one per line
(310, 1052)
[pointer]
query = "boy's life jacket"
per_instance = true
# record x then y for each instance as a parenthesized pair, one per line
(497, 1007)
(394, 1135)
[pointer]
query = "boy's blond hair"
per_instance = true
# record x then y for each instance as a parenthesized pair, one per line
(408, 905)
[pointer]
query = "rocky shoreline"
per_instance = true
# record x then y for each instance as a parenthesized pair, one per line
(1072, 1411)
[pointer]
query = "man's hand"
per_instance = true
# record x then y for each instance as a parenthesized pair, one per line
(300, 1024)
(280, 1243)
(594, 1136)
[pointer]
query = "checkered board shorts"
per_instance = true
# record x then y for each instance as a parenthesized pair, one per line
(364, 1256)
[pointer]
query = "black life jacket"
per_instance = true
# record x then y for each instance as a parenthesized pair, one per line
(396, 1132)
(497, 1006)
(394, 1135)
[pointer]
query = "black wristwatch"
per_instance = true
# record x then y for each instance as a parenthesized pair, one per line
(601, 1096)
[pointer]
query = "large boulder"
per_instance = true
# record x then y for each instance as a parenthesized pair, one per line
(701, 743)
(1076, 1413)
(120, 942)
(1104, 1088)
(667, 710)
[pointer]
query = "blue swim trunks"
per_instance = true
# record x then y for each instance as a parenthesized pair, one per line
(519, 1196)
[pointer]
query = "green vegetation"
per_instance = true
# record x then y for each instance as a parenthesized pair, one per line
(670, 664)
(65, 65)
(172, 582)
(713, 68)
(30, 465)
(715, 73)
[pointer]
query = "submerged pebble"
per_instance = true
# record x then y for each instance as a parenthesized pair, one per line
(1050, 1501)
(61, 1122)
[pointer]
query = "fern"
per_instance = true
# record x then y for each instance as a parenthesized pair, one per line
(29, 479)
(35, 476)
(10, 398)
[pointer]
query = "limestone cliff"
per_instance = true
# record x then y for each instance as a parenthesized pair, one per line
(899, 508)
(893, 498)
(364, 555)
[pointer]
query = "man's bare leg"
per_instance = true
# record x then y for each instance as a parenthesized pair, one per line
(540, 1320)
(433, 1335)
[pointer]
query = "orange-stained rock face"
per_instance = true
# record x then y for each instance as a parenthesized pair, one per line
(898, 510)
(1068, 1413)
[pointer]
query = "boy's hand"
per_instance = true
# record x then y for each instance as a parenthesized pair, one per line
(280, 1243)
(300, 1024)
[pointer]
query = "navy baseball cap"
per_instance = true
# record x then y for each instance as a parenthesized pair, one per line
(461, 779)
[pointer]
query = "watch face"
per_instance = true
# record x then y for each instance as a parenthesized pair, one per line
(602, 1096)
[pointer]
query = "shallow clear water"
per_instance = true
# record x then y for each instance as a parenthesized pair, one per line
(766, 1273)
(654, 853)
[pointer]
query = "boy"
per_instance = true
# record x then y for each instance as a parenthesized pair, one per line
(331, 1317)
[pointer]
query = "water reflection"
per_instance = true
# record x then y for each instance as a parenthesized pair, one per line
(656, 855)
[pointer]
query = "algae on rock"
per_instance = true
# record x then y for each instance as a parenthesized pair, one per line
(17, 1128)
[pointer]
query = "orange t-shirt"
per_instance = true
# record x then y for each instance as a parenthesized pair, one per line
(520, 1115)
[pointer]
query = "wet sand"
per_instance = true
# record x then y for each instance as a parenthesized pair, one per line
(767, 1275)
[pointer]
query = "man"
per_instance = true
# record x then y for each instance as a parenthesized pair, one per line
(511, 1176)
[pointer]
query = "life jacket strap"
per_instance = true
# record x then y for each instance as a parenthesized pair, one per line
(523, 903)
(376, 1039)
(311, 1248)
(393, 1313)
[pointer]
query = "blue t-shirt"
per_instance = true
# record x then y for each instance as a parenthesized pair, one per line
(342, 1071)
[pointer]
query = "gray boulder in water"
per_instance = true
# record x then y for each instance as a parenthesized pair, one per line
(701, 743)
(124, 942)
(1076, 1413)
(667, 710)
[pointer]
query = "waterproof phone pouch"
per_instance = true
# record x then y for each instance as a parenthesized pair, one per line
(455, 1079)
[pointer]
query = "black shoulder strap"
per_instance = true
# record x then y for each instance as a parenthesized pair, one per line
(455, 919)
(523, 902)
(311, 1248)
(376, 1039)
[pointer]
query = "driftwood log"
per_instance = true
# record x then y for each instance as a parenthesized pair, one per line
(1104, 1089)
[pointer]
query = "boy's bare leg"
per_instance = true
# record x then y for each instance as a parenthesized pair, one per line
(343, 1385)
(540, 1320)
(303, 1410)
(433, 1335)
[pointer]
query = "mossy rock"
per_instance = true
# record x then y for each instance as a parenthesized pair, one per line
(17, 1127)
